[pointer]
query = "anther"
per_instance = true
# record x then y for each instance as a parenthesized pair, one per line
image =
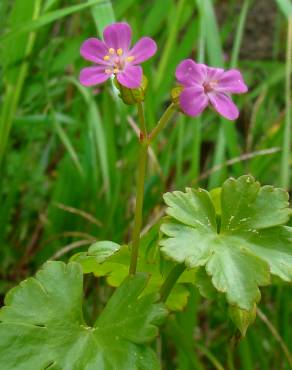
(130, 59)
(120, 51)
(106, 57)
(111, 51)
(116, 70)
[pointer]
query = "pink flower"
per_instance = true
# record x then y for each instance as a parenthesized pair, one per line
(203, 85)
(113, 56)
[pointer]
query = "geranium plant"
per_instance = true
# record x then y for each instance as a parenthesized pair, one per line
(231, 240)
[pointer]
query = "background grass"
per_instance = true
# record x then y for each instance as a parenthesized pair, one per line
(67, 154)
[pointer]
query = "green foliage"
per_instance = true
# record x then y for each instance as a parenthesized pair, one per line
(242, 318)
(73, 146)
(96, 254)
(112, 261)
(241, 246)
(42, 324)
(286, 7)
(46, 19)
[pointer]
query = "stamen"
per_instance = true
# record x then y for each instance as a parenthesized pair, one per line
(130, 59)
(108, 71)
(111, 51)
(210, 86)
(120, 51)
(116, 70)
(213, 84)
(106, 57)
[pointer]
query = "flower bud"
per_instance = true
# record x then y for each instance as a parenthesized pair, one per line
(175, 94)
(132, 96)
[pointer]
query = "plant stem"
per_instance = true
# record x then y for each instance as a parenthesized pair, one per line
(139, 206)
(170, 280)
(162, 122)
(145, 141)
(142, 119)
(139, 190)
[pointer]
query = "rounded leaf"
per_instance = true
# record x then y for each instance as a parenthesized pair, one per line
(237, 233)
(42, 325)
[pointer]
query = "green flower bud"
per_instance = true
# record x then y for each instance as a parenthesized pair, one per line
(132, 96)
(175, 94)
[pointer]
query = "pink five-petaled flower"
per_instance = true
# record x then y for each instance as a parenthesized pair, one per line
(203, 85)
(113, 56)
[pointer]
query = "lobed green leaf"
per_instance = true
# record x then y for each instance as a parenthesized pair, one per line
(240, 239)
(42, 325)
(111, 260)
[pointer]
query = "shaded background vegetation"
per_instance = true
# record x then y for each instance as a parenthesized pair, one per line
(68, 154)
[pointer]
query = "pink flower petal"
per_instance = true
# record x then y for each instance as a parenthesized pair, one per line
(193, 100)
(232, 82)
(92, 76)
(144, 49)
(214, 73)
(224, 105)
(118, 35)
(188, 72)
(94, 50)
(131, 77)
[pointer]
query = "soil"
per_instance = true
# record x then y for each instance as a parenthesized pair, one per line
(259, 33)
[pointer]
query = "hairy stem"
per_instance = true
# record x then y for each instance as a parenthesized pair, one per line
(162, 122)
(139, 190)
(145, 141)
(141, 118)
(170, 281)
(139, 206)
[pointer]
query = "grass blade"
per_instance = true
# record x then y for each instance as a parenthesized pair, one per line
(169, 43)
(97, 135)
(103, 15)
(286, 7)
(14, 77)
(227, 135)
(239, 33)
(212, 34)
(285, 165)
(48, 18)
(67, 144)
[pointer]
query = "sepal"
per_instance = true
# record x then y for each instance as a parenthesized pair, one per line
(242, 319)
(175, 94)
(132, 96)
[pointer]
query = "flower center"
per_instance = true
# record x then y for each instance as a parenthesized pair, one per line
(117, 60)
(209, 86)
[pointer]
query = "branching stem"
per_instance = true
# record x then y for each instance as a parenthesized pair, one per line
(145, 141)
(170, 281)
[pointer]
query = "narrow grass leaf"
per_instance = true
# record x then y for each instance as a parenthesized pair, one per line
(48, 18)
(228, 136)
(14, 77)
(103, 15)
(286, 146)
(239, 33)
(170, 43)
(67, 144)
(286, 7)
